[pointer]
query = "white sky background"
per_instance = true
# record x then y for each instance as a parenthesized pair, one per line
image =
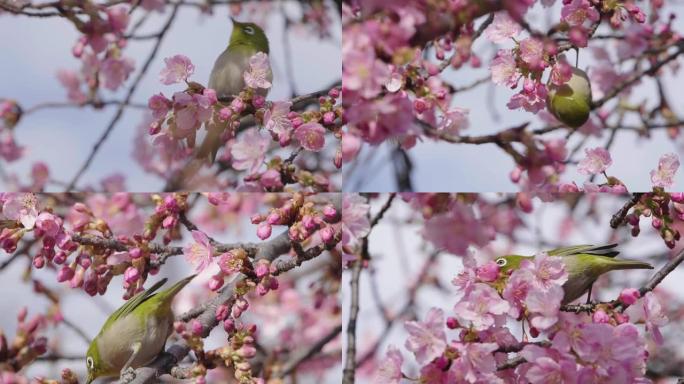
(463, 167)
(34, 49)
(90, 313)
(399, 252)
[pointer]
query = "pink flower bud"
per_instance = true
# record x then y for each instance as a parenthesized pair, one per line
(179, 326)
(308, 222)
(334, 93)
(135, 253)
(534, 332)
(451, 322)
(131, 275)
(258, 101)
(629, 296)
(65, 273)
(264, 231)
(21, 316)
(261, 289)
(488, 272)
(60, 258)
(327, 234)
(261, 269)
(196, 327)
(247, 351)
(215, 283)
(600, 316)
(329, 213)
(225, 113)
(221, 312)
(229, 326)
(656, 223)
(39, 262)
(273, 218)
(329, 118)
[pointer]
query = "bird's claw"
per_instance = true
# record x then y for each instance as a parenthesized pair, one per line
(127, 375)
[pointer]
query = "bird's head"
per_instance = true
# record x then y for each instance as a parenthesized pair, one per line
(249, 34)
(94, 364)
(509, 263)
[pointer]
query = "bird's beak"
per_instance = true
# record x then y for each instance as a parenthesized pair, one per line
(90, 379)
(233, 20)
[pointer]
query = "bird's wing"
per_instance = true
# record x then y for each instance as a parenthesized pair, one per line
(133, 303)
(603, 250)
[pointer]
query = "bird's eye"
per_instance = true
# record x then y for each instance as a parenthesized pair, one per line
(248, 30)
(90, 362)
(501, 262)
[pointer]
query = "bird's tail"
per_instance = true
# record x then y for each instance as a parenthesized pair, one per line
(169, 294)
(628, 264)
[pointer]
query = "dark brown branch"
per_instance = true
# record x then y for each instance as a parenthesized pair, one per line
(350, 359)
(620, 215)
(307, 352)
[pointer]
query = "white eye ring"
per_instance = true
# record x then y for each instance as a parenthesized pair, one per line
(89, 362)
(248, 30)
(501, 262)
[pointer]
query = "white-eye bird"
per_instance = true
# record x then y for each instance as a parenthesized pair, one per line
(570, 103)
(227, 79)
(135, 333)
(584, 264)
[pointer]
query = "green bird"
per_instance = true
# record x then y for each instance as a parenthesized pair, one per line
(227, 79)
(135, 334)
(584, 264)
(571, 102)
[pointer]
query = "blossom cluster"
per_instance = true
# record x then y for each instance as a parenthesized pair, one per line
(178, 121)
(477, 338)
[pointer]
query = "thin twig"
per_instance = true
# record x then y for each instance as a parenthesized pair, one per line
(122, 107)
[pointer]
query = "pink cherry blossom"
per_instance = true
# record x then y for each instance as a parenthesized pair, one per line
(531, 98)
(457, 228)
(655, 317)
(159, 105)
(259, 72)
(199, 253)
(597, 160)
(277, 122)
(502, 28)
(427, 339)
(115, 71)
(21, 207)
(249, 152)
(355, 223)
(561, 72)
(532, 53)
(72, 82)
(364, 74)
(578, 12)
(311, 136)
(178, 68)
(454, 120)
(389, 369)
(481, 307)
(504, 69)
(667, 167)
(191, 111)
(475, 362)
(549, 365)
(544, 305)
(547, 270)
